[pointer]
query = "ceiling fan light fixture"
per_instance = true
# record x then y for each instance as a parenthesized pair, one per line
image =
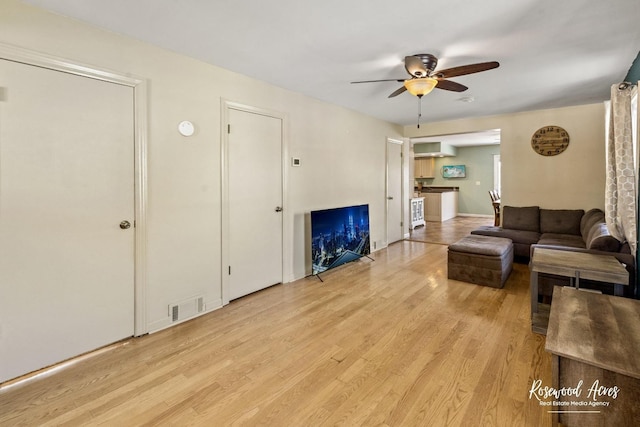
(421, 86)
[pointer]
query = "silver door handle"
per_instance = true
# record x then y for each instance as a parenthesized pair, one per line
(125, 224)
(278, 209)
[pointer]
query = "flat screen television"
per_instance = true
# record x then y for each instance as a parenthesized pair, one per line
(454, 171)
(339, 236)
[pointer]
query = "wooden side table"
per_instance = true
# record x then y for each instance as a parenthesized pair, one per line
(595, 342)
(576, 266)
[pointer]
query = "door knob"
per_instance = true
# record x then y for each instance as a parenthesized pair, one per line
(278, 209)
(390, 198)
(125, 224)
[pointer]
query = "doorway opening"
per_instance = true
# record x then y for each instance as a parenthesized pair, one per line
(450, 202)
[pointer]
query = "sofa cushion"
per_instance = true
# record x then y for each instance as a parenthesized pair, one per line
(567, 240)
(521, 218)
(590, 218)
(600, 239)
(517, 236)
(560, 221)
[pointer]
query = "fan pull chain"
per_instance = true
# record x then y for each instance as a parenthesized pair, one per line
(419, 109)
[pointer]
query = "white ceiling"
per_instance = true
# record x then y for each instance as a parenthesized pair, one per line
(552, 53)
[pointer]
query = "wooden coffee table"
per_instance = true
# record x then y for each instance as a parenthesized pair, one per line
(576, 266)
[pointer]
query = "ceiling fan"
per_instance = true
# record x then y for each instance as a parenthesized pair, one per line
(421, 67)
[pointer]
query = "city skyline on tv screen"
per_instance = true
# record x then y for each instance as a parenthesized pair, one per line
(339, 236)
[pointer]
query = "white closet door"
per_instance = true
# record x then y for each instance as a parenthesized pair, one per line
(255, 202)
(66, 184)
(394, 192)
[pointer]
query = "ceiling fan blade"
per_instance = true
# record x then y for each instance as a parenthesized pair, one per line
(398, 92)
(467, 69)
(383, 80)
(449, 85)
(415, 67)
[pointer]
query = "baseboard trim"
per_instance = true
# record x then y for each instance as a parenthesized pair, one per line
(475, 215)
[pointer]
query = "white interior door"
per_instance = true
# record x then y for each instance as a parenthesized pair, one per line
(394, 191)
(255, 202)
(66, 183)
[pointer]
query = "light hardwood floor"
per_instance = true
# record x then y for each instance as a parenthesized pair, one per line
(390, 342)
(449, 231)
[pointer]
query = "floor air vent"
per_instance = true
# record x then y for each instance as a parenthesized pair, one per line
(186, 308)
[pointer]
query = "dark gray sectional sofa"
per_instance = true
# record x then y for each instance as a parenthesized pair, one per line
(563, 229)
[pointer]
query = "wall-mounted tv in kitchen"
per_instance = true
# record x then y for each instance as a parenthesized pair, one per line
(339, 236)
(454, 171)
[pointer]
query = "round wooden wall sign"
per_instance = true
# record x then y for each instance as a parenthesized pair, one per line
(550, 140)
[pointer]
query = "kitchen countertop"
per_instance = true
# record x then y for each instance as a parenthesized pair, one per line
(430, 189)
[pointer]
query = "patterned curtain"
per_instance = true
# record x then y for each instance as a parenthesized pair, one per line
(620, 193)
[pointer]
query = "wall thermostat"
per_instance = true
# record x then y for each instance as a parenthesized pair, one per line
(186, 128)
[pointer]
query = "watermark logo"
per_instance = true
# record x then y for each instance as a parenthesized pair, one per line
(596, 395)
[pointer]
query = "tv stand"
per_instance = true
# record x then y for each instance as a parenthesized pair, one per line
(363, 256)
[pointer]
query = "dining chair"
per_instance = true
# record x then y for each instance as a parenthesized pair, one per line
(495, 202)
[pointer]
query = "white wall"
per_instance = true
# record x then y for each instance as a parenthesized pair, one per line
(574, 179)
(342, 152)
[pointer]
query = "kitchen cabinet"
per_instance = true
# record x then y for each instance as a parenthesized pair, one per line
(424, 168)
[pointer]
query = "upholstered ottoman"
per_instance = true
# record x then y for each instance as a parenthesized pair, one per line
(483, 260)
